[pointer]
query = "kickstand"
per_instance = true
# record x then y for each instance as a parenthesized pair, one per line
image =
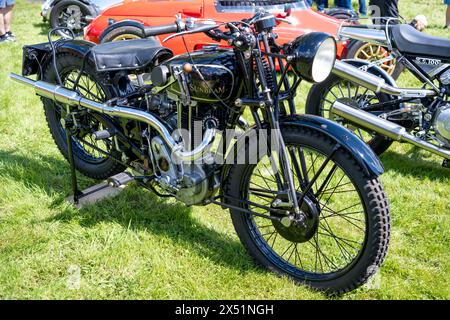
(77, 194)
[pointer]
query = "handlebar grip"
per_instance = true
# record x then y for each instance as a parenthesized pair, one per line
(163, 29)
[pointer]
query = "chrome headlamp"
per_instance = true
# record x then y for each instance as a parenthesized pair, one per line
(312, 56)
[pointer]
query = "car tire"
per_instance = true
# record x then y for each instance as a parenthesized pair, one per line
(63, 6)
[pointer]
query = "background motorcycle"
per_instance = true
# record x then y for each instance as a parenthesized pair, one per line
(419, 116)
(314, 210)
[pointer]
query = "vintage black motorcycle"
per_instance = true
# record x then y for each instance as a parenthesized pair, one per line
(363, 95)
(312, 208)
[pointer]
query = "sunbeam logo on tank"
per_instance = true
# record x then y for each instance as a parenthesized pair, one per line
(230, 146)
(428, 61)
(206, 89)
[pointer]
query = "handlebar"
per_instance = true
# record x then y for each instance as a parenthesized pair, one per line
(162, 29)
(261, 21)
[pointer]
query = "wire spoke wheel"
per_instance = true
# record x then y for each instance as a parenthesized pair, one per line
(374, 52)
(343, 90)
(340, 227)
(126, 36)
(341, 235)
(87, 146)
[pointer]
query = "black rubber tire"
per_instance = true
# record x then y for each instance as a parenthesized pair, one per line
(113, 34)
(356, 45)
(97, 170)
(341, 16)
(379, 144)
(62, 5)
(376, 210)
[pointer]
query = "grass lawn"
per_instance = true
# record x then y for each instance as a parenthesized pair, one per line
(137, 246)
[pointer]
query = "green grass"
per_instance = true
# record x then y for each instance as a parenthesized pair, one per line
(137, 246)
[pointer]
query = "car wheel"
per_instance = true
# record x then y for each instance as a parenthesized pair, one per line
(70, 14)
(122, 33)
(373, 52)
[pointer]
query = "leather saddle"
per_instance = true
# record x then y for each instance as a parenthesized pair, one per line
(408, 40)
(129, 54)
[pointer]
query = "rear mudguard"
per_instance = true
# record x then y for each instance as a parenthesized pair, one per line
(123, 23)
(77, 48)
(360, 151)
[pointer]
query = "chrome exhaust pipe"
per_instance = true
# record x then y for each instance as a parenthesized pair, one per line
(72, 98)
(353, 74)
(384, 127)
(371, 35)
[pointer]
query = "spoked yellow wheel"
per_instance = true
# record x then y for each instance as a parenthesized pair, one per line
(126, 36)
(374, 52)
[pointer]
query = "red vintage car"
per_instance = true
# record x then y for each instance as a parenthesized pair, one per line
(126, 20)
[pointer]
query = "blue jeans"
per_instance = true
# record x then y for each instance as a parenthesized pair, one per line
(6, 3)
(362, 7)
(321, 4)
(347, 4)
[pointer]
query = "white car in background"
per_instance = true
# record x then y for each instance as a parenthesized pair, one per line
(73, 14)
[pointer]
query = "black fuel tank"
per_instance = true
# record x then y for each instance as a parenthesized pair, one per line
(219, 69)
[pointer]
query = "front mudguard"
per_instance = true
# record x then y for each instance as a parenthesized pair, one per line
(359, 150)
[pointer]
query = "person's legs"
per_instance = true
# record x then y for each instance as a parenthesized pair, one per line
(447, 23)
(7, 18)
(343, 4)
(2, 24)
(362, 7)
(322, 4)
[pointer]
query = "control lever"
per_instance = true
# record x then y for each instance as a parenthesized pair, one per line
(203, 28)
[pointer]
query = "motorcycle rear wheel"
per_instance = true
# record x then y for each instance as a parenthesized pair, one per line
(350, 241)
(88, 161)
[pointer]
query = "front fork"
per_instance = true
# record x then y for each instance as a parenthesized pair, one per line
(271, 110)
(286, 166)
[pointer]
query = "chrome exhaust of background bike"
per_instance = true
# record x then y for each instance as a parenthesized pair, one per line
(384, 127)
(72, 98)
(371, 35)
(353, 74)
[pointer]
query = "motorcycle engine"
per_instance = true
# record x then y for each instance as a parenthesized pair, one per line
(190, 183)
(442, 124)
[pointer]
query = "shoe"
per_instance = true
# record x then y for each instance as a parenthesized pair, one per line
(446, 27)
(3, 39)
(10, 36)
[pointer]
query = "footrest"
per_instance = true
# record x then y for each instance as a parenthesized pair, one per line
(120, 179)
(106, 189)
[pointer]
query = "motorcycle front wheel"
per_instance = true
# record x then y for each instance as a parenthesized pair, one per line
(346, 235)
